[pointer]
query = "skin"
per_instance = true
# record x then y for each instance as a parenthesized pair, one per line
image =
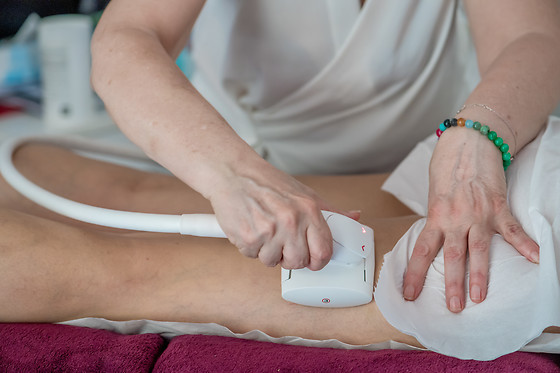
(273, 216)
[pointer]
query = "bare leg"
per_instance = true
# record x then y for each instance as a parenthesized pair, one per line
(51, 271)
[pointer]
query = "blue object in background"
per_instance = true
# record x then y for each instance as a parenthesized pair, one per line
(21, 64)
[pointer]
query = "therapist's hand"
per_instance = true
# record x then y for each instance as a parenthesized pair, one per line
(271, 216)
(467, 204)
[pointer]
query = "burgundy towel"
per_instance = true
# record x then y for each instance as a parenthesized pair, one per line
(65, 348)
(213, 354)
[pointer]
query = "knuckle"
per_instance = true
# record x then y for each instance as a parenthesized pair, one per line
(422, 251)
(477, 277)
(478, 246)
(308, 205)
(269, 259)
(266, 230)
(268, 262)
(452, 286)
(289, 220)
(454, 254)
(322, 256)
(249, 252)
(513, 229)
(251, 243)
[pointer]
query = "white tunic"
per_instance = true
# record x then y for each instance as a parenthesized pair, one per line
(322, 86)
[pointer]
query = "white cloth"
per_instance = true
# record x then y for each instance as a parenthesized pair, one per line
(322, 86)
(523, 298)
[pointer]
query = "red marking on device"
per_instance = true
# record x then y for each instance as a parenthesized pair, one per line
(363, 247)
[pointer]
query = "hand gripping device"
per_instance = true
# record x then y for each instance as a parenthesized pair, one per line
(347, 280)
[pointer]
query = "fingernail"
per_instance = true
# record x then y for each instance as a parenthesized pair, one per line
(535, 257)
(356, 211)
(409, 292)
(476, 294)
(455, 304)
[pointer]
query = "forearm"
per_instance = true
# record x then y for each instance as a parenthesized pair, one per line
(518, 51)
(158, 109)
(522, 84)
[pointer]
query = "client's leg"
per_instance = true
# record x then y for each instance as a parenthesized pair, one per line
(50, 271)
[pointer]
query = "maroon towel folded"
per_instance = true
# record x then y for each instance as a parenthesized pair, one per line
(65, 348)
(198, 353)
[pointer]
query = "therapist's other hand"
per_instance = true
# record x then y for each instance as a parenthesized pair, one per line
(467, 205)
(271, 216)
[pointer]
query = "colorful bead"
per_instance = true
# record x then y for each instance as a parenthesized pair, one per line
(484, 130)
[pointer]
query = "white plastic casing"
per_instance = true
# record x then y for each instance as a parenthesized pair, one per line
(347, 280)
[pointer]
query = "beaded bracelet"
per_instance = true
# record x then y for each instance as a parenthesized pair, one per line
(484, 130)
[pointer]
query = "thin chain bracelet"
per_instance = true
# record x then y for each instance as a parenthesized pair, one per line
(484, 130)
(486, 107)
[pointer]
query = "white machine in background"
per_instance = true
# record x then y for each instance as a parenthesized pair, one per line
(346, 281)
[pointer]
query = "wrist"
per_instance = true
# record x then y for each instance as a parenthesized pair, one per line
(463, 156)
(483, 131)
(227, 171)
(496, 121)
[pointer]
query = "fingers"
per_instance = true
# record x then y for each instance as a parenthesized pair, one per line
(513, 233)
(427, 246)
(456, 246)
(313, 240)
(320, 243)
(293, 240)
(454, 258)
(479, 255)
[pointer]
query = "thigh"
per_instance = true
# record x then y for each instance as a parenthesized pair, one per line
(50, 271)
(204, 280)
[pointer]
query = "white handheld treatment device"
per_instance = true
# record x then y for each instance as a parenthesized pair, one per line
(346, 281)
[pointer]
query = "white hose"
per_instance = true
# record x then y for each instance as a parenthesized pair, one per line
(204, 225)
